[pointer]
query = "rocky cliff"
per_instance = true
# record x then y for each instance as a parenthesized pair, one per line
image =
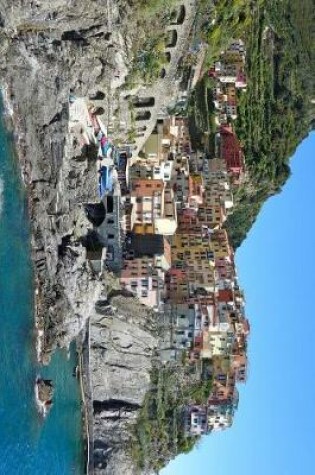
(46, 52)
(122, 348)
(49, 49)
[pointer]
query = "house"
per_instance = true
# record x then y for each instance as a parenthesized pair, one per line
(155, 246)
(220, 244)
(220, 417)
(224, 391)
(217, 165)
(153, 208)
(195, 420)
(109, 231)
(140, 277)
(230, 151)
(191, 247)
(225, 268)
(217, 192)
(177, 286)
(216, 343)
(212, 216)
(239, 366)
(195, 187)
(166, 222)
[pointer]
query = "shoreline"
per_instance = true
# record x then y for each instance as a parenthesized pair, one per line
(12, 122)
(85, 395)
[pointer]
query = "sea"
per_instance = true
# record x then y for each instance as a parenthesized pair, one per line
(29, 445)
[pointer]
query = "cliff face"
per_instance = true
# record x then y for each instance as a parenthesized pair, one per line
(122, 347)
(45, 52)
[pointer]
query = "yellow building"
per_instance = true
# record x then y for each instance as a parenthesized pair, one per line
(211, 216)
(196, 241)
(143, 228)
(216, 344)
(192, 254)
(220, 244)
(192, 248)
(217, 192)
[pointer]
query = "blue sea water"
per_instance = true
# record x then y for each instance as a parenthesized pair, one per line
(29, 445)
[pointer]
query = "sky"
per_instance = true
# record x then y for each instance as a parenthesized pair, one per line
(274, 428)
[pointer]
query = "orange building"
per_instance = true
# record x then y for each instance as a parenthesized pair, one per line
(225, 295)
(142, 187)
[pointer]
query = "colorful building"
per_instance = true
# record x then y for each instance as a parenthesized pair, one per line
(153, 209)
(140, 277)
(230, 151)
(196, 421)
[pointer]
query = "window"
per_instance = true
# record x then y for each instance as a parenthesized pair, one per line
(110, 236)
(144, 293)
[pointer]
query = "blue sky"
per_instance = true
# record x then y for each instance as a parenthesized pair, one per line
(274, 428)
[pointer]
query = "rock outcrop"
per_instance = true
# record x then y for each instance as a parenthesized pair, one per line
(49, 49)
(122, 347)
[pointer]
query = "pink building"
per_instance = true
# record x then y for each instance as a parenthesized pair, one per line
(146, 282)
(225, 268)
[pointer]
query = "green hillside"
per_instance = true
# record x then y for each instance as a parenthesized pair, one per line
(276, 112)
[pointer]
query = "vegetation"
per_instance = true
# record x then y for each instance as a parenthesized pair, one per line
(158, 435)
(147, 53)
(155, 7)
(201, 113)
(150, 59)
(275, 113)
(223, 20)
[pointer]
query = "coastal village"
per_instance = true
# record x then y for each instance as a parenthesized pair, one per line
(158, 224)
(139, 141)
